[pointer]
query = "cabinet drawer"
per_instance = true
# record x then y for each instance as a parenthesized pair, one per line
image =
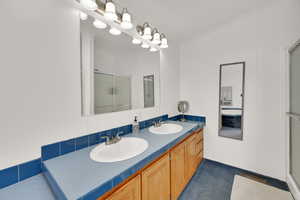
(199, 135)
(199, 147)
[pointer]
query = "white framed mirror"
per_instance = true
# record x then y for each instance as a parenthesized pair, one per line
(116, 74)
(231, 100)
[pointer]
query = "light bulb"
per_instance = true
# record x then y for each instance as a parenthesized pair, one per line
(114, 31)
(99, 24)
(136, 41)
(145, 45)
(126, 20)
(147, 32)
(152, 49)
(110, 11)
(156, 38)
(83, 16)
(164, 42)
(89, 4)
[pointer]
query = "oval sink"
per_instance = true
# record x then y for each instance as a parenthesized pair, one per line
(166, 129)
(126, 148)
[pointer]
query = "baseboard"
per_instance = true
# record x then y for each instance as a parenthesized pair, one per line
(293, 187)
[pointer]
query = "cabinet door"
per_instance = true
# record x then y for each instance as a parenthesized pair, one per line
(156, 180)
(199, 147)
(129, 191)
(178, 180)
(190, 157)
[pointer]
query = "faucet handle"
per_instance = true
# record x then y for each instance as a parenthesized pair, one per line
(106, 137)
(118, 134)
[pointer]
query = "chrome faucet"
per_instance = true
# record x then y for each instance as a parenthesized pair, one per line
(112, 139)
(157, 123)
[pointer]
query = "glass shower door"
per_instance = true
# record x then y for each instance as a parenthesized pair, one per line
(294, 114)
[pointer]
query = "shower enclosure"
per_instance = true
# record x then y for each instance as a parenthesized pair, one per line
(112, 93)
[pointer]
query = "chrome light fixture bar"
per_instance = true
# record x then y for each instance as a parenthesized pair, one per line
(106, 14)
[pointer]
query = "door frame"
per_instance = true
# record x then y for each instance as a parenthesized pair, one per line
(289, 179)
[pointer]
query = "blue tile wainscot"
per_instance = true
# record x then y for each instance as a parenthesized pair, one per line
(74, 176)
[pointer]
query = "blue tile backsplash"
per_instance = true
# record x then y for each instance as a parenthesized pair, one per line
(189, 117)
(67, 146)
(81, 142)
(20, 172)
(29, 169)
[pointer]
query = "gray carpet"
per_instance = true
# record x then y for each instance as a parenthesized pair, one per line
(213, 181)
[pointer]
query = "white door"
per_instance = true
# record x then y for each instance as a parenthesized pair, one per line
(294, 121)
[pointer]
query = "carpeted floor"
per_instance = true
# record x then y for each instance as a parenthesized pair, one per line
(213, 181)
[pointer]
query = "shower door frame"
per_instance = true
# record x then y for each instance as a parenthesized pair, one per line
(293, 186)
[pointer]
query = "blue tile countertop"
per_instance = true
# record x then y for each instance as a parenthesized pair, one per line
(34, 188)
(75, 176)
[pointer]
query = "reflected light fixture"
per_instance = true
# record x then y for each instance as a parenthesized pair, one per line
(110, 11)
(147, 32)
(126, 20)
(89, 4)
(145, 45)
(164, 42)
(99, 24)
(153, 49)
(114, 31)
(136, 41)
(156, 37)
(83, 16)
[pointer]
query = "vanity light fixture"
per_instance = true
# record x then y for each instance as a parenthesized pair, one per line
(108, 15)
(164, 42)
(110, 11)
(152, 49)
(83, 16)
(145, 45)
(147, 31)
(156, 36)
(99, 24)
(114, 31)
(136, 41)
(126, 20)
(89, 4)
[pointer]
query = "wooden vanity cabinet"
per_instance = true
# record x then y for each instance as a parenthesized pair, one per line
(185, 159)
(166, 177)
(178, 180)
(156, 180)
(130, 191)
(193, 153)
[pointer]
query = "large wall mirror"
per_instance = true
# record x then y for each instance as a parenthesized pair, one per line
(116, 74)
(231, 100)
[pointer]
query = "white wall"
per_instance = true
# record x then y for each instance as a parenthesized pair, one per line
(260, 38)
(40, 80)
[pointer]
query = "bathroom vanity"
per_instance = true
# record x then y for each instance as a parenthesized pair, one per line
(166, 177)
(161, 172)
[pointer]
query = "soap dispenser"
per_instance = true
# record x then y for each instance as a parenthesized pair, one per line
(135, 125)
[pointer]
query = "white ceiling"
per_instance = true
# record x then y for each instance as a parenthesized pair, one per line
(180, 20)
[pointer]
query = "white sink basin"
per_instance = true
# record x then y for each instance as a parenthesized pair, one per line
(126, 148)
(166, 129)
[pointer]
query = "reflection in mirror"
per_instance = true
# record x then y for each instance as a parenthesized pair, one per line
(231, 102)
(116, 74)
(148, 91)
